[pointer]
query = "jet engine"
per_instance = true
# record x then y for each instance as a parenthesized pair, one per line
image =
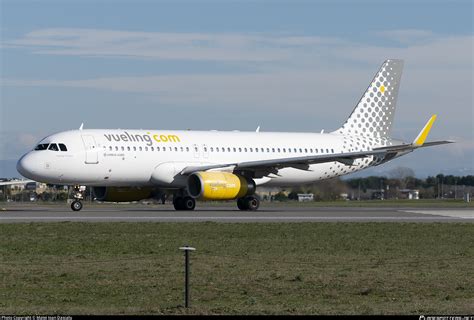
(121, 194)
(219, 186)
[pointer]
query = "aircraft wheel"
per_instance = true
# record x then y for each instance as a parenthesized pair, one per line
(76, 205)
(178, 203)
(252, 203)
(241, 204)
(188, 203)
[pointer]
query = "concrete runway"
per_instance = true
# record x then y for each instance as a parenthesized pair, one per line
(166, 213)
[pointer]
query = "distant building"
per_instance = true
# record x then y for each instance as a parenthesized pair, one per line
(411, 194)
(305, 197)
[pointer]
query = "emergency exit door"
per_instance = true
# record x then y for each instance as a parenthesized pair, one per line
(92, 155)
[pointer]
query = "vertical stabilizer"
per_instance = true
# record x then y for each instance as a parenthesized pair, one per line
(373, 116)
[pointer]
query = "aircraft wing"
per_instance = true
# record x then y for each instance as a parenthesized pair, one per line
(272, 165)
(295, 162)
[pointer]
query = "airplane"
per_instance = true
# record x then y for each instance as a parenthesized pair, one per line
(131, 165)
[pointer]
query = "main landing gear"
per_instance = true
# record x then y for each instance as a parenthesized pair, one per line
(184, 203)
(248, 203)
(78, 195)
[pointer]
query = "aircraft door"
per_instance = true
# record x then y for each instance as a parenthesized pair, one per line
(92, 154)
(205, 151)
(196, 150)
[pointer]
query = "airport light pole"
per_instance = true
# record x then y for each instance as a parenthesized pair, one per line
(186, 250)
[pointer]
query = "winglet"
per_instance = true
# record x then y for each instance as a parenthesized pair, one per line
(420, 139)
(258, 129)
(82, 126)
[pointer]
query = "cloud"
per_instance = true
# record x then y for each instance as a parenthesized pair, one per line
(160, 45)
(407, 36)
(315, 76)
(420, 46)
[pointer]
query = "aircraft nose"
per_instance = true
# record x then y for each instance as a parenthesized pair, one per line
(25, 166)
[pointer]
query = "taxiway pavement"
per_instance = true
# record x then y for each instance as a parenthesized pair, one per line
(166, 213)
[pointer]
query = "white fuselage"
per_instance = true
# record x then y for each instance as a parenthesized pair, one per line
(156, 157)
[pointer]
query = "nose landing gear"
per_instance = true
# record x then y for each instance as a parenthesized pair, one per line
(78, 195)
(76, 205)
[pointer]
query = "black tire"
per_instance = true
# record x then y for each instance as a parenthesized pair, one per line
(188, 203)
(252, 203)
(76, 205)
(241, 204)
(178, 203)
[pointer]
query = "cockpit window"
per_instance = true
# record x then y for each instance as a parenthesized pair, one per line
(62, 147)
(53, 147)
(43, 146)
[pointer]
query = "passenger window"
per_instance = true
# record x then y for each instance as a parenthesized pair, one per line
(182, 149)
(305, 150)
(278, 149)
(146, 148)
(284, 150)
(301, 150)
(295, 150)
(128, 148)
(134, 148)
(251, 150)
(116, 148)
(262, 149)
(228, 149)
(157, 148)
(245, 149)
(327, 150)
(212, 149)
(175, 148)
(140, 148)
(235, 150)
(123, 148)
(332, 150)
(256, 149)
(240, 149)
(53, 147)
(311, 150)
(289, 150)
(152, 148)
(322, 150)
(268, 150)
(205, 149)
(187, 149)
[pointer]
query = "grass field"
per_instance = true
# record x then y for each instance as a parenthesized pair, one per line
(291, 268)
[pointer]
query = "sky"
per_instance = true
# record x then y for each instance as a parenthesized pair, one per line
(235, 65)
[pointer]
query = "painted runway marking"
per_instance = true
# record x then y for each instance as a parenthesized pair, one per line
(463, 214)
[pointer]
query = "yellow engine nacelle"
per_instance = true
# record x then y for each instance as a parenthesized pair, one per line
(121, 194)
(219, 186)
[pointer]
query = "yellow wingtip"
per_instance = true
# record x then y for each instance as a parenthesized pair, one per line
(421, 138)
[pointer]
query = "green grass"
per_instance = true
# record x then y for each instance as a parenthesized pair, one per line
(290, 268)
